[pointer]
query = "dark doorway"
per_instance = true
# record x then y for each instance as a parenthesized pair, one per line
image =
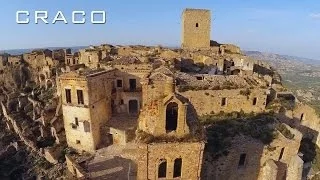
(162, 170)
(172, 116)
(225, 65)
(133, 84)
(133, 107)
(177, 168)
(242, 160)
(49, 84)
(42, 77)
(109, 139)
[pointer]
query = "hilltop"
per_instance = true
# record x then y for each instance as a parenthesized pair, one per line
(300, 75)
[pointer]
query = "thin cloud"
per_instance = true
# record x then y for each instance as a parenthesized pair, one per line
(315, 15)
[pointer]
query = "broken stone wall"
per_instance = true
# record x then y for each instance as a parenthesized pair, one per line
(211, 101)
(190, 153)
(90, 57)
(229, 166)
(75, 169)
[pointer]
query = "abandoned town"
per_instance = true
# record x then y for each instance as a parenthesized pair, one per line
(203, 111)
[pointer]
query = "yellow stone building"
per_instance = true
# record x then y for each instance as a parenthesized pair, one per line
(86, 102)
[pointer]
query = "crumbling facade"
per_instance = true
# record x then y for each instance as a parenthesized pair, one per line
(147, 112)
(85, 99)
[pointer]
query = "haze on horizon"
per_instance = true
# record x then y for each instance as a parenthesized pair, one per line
(286, 27)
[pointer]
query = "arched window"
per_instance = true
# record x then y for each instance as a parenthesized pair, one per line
(162, 169)
(177, 167)
(197, 24)
(172, 116)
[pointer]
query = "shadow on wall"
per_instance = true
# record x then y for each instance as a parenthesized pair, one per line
(214, 43)
(262, 70)
(114, 168)
(310, 151)
(235, 147)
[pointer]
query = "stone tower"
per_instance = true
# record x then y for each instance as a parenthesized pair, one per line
(196, 27)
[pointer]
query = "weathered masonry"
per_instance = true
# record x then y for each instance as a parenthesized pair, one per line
(196, 26)
(84, 102)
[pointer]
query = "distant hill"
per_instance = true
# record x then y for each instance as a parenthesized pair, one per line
(300, 75)
(271, 57)
(22, 51)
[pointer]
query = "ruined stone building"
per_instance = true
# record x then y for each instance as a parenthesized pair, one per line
(39, 58)
(138, 112)
(122, 104)
(14, 60)
(87, 93)
(61, 54)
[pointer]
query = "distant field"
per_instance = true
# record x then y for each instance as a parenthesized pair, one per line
(293, 81)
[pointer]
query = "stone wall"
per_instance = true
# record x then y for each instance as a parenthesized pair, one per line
(158, 93)
(90, 57)
(210, 101)
(74, 168)
(295, 168)
(228, 167)
(37, 60)
(230, 48)
(190, 153)
(304, 118)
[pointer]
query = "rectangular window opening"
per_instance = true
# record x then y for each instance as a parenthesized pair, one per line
(119, 83)
(177, 168)
(224, 102)
(242, 160)
(80, 97)
(76, 121)
(68, 95)
(133, 84)
(254, 101)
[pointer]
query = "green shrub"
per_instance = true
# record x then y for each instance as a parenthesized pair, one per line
(285, 131)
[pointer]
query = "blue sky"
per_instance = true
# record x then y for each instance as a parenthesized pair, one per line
(289, 27)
